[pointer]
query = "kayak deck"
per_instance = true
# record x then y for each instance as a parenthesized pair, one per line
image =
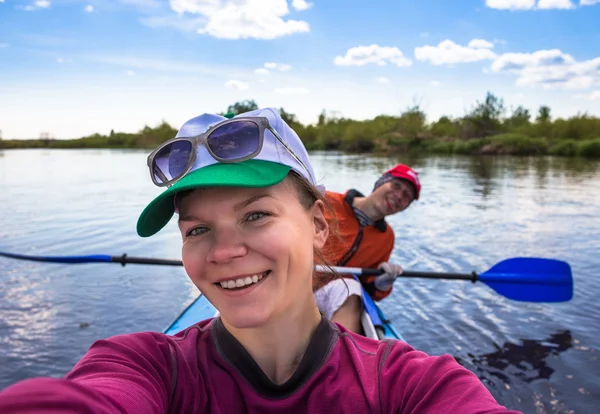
(375, 324)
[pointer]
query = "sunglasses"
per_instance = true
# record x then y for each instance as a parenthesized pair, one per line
(230, 141)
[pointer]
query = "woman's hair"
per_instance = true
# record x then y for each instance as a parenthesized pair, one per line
(308, 194)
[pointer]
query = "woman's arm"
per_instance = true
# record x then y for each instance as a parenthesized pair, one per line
(124, 374)
(413, 382)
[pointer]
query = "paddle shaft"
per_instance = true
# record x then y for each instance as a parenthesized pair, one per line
(523, 279)
(124, 260)
(407, 273)
(144, 260)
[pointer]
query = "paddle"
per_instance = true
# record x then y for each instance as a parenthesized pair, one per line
(522, 278)
(97, 258)
(526, 279)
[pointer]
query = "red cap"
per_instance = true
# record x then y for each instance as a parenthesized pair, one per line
(407, 173)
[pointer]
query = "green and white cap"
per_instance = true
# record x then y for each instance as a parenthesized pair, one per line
(268, 168)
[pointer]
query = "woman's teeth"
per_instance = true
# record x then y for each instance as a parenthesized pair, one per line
(241, 282)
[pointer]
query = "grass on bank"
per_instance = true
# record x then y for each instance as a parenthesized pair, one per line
(487, 129)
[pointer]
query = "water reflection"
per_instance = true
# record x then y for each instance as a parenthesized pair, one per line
(527, 361)
(474, 211)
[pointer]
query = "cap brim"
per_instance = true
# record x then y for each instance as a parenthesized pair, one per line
(410, 180)
(250, 173)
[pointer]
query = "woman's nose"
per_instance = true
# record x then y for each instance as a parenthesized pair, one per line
(227, 245)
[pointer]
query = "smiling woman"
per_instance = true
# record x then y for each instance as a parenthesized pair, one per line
(252, 218)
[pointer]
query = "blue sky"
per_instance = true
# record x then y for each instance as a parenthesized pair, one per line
(75, 67)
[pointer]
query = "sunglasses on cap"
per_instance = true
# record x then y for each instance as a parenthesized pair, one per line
(229, 141)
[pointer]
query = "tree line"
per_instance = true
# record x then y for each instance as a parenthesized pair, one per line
(487, 128)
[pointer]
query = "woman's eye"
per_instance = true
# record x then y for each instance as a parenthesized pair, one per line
(196, 231)
(256, 216)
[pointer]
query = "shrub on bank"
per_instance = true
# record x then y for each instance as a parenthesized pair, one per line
(485, 129)
(589, 148)
(518, 144)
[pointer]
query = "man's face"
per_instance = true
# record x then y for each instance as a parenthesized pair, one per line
(393, 196)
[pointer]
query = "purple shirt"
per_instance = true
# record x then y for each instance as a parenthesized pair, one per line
(204, 369)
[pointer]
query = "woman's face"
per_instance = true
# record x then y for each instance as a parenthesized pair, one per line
(250, 250)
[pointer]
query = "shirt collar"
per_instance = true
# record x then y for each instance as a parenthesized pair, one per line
(362, 218)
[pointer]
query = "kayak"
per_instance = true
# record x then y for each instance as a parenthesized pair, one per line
(374, 323)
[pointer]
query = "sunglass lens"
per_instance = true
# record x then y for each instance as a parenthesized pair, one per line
(172, 161)
(234, 140)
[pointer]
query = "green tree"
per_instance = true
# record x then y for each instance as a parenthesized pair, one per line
(322, 118)
(543, 127)
(543, 114)
(412, 121)
(519, 118)
(486, 116)
(288, 117)
(242, 106)
(445, 127)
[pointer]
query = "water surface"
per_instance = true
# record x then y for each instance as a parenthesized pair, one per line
(473, 212)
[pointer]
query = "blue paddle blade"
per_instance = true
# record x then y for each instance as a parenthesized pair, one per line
(531, 279)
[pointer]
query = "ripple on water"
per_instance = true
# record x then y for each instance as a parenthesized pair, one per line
(473, 212)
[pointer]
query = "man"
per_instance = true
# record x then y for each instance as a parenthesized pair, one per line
(365, 240)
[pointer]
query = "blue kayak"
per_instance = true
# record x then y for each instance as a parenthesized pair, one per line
(375, 324)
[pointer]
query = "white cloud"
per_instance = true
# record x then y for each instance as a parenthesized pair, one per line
(89, 8)
(291, 91)
(448, 52)
(173, 21)
(236, 85)
(592, 96)
(38, 4)
(555, 4)
(143, 3)
(130, 73)
(301, 5)
(434, 83)
(283, 67)
(242, 19)
(588, 2)
(262, 71)
(550, 69)
(510, 4)
(533, 5)
(373, 54)
(480, 44)
(63, 60)
(382, 79)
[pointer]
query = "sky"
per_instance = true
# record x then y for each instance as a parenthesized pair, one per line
(71, 68)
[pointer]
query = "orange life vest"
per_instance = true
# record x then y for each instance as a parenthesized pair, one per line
(357, 245)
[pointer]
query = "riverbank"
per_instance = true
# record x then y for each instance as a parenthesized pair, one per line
(485, 130)
(501, 144)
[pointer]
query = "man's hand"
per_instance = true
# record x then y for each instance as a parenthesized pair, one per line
(386, 280)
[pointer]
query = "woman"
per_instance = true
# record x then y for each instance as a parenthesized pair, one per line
(251, 219)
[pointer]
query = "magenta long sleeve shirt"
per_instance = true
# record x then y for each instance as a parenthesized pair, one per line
(204, 369)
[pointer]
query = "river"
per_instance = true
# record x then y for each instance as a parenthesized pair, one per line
(473, 212)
